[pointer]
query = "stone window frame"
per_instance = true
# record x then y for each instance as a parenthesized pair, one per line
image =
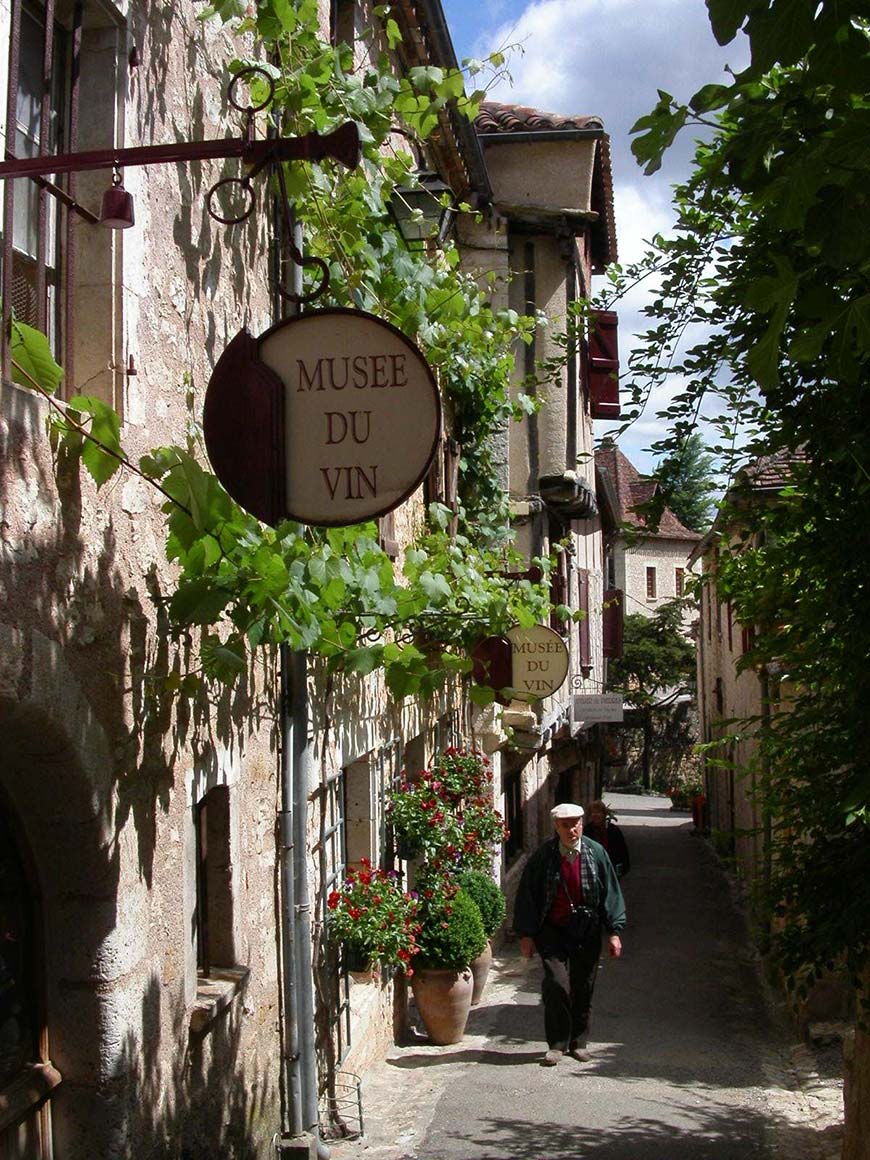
(218, 976)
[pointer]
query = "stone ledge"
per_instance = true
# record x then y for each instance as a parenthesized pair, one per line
(214, 994)
(27, 1091)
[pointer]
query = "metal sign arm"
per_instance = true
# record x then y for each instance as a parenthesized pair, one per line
(343, 145)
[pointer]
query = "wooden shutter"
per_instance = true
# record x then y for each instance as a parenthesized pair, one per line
(603, 365)
(583, 634)
(387, 534)
(612, 615)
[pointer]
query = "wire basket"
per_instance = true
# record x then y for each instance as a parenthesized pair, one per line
(341, 1109)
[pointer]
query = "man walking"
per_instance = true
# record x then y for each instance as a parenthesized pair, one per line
(568, 894)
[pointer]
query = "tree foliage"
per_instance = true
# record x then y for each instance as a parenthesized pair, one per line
(656, 656)
(764, 306)
(687, 481)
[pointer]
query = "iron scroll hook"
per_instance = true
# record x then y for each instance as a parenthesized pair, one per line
(347, 153)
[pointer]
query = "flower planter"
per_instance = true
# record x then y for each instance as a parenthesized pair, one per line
(480, 968)
(443, 998)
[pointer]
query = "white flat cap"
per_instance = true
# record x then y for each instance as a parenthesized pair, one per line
(566, 810)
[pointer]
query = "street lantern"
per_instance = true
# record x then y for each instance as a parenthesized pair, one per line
(423, 211)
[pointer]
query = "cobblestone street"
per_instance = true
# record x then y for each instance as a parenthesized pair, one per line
(690, 1061)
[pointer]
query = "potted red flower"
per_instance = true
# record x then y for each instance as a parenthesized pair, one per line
(374, 917)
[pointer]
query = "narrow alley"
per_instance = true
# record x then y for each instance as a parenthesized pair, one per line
(689, 1061)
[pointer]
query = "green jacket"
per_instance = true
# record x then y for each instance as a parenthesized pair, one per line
(540, 882)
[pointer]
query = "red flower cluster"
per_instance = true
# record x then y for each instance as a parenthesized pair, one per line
(374, 914)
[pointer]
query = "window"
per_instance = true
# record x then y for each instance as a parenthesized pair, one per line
(81, 49)
(560, 592)
(387, 535)
(25, 1080)
(650, 583)
(342, 20)
(442, 482)
(37, 124)
(513, 811)
(334, 967)
(214, 896)
(613, 623)
(680, 581)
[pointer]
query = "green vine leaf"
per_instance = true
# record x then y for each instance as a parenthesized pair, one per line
(32, 360)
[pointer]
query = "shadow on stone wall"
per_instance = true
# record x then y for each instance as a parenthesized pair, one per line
(170, 1114)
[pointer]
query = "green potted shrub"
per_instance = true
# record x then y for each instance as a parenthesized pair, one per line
(485, 892)
(451, 935)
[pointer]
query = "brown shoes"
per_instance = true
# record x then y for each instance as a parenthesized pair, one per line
(579, 1052)
(554, 1054)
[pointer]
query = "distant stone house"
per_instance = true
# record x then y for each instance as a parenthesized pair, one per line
(652, 566)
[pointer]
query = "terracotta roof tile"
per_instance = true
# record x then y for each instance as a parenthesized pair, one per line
(633, 489)
(495, 117)
(774, 471)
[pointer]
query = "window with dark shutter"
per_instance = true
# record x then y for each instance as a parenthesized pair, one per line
(602, 365)
(680, 581)
(37, 124)
(442, 482)
(387, 534)
(651, 584)
(214, 896)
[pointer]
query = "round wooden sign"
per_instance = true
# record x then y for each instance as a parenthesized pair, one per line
(539, 662)
(329, 418)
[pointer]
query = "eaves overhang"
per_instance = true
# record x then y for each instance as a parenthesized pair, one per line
(427, 17)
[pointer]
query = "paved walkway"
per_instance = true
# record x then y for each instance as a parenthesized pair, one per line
(688, 1061)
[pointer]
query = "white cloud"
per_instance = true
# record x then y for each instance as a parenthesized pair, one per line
(610, 58)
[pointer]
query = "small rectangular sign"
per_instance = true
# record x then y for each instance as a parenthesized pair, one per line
(593, 708)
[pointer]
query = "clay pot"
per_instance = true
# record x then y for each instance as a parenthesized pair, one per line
(480, 968)
(443, 998)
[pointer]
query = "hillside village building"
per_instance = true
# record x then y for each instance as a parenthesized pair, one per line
(164, 863)
(651, 566)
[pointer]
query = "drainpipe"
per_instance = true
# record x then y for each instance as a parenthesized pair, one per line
(298, 985)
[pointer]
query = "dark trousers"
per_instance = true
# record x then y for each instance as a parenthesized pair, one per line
(569, 980)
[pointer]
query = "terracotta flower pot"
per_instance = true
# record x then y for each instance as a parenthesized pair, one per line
(480, 968)
(443, 998)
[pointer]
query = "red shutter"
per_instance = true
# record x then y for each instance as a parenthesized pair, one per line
(584, 636)
(603, 365)
(612, 623)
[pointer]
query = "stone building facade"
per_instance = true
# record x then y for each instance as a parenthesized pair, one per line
(146, 850)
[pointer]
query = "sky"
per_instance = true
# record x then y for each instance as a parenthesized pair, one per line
(609, 58)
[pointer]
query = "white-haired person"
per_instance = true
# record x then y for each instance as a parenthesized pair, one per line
(568, 900)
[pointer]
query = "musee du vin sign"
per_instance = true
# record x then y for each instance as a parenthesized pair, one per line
(329, 418)
(539, 662)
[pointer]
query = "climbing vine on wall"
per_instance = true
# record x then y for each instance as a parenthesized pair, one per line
(334, 592)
